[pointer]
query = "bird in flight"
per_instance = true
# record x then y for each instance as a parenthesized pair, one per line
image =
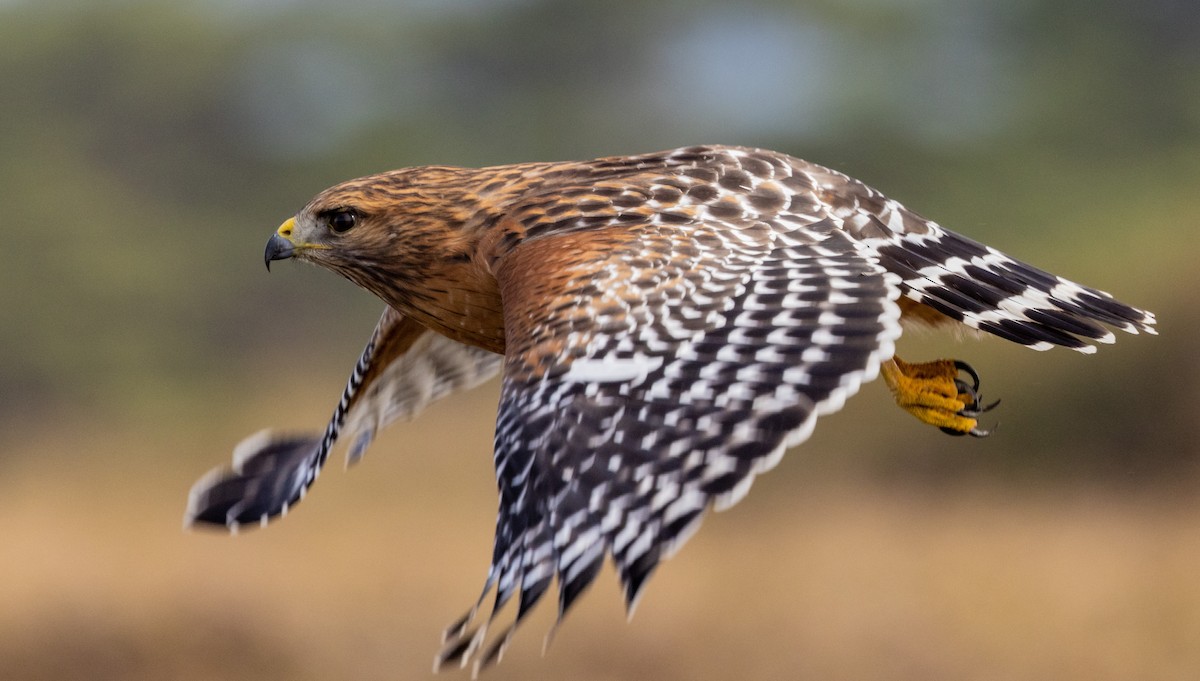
(665, 325)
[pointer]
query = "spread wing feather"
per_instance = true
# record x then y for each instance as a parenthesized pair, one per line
(403, 368)
(973, 283)
(637, 403)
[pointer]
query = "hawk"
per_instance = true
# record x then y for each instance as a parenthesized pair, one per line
(666, 326)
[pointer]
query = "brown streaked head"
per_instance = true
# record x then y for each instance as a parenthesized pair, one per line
(390, 225)
(410, 237)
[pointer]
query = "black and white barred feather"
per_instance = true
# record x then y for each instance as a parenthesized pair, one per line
(272, 472)
(972, 283)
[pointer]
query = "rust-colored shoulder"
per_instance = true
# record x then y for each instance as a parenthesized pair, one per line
(555, 293)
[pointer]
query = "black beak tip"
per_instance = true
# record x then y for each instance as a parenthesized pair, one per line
(278, 248)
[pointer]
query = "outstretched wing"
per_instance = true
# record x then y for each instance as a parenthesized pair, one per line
(403, 368)
(970, 282)
(664, 369)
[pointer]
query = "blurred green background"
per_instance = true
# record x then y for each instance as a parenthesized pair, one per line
(147, 150)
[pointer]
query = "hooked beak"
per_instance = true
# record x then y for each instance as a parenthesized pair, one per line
(280, 245)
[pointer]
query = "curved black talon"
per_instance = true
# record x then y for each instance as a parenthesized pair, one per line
(963, 366)
(964, 389)
(972, 413)
(971, 391)
(971, 410)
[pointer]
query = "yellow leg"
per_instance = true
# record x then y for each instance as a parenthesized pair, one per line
(933, 393)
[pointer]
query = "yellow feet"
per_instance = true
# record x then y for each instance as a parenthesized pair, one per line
(934, 393)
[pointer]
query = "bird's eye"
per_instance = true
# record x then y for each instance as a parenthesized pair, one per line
(341, 220)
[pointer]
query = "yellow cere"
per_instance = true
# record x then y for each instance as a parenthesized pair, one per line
(288, 228)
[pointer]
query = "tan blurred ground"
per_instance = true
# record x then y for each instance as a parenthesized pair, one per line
(831, 579)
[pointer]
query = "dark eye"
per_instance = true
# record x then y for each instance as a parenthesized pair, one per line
(341, 220)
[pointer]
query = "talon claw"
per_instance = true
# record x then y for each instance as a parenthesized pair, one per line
(972, 410)
(972, 392)
(980, 432)
(925, 391)
(974, 399)
(970, 371)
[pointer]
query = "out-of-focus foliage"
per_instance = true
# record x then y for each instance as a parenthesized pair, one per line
(148, 149)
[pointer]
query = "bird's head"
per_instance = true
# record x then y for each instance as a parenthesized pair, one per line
(384, 232)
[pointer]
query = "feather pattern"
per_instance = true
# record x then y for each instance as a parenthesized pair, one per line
(403, 369)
